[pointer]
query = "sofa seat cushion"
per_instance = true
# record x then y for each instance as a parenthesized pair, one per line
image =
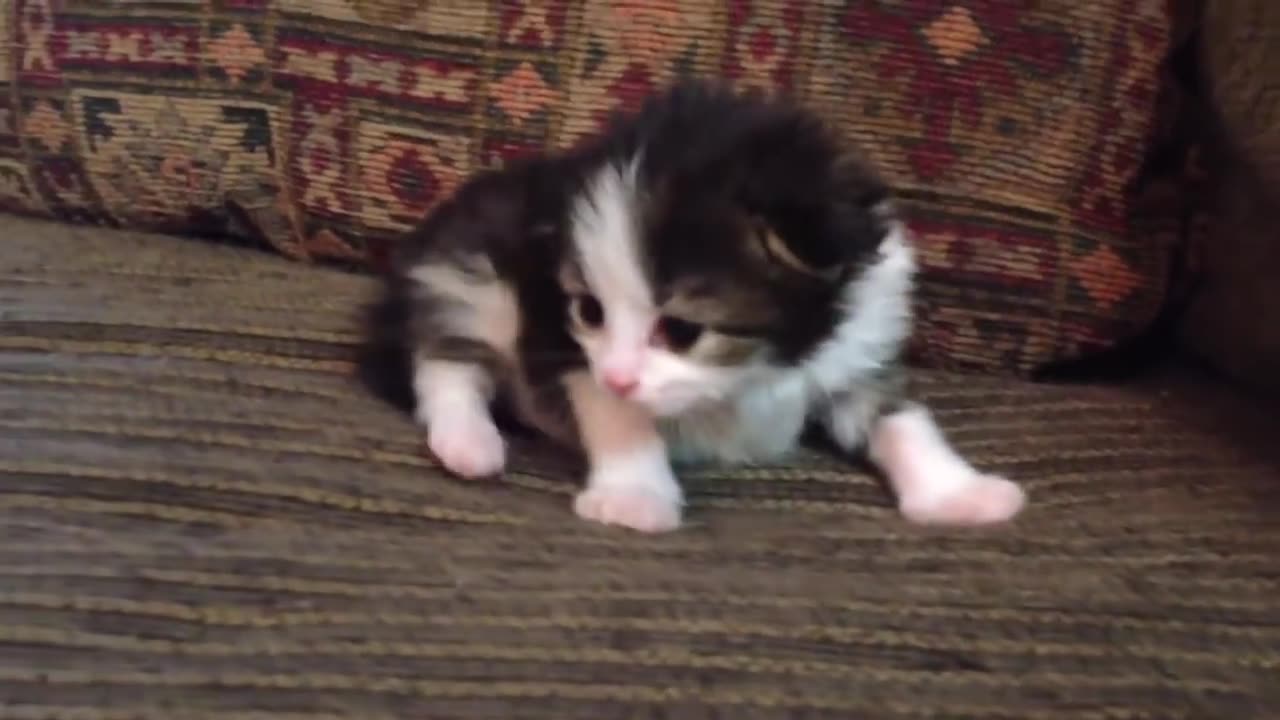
(200, 509)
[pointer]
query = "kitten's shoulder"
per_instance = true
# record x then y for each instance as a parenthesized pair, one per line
(491, 213)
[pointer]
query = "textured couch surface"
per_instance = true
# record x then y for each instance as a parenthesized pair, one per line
(202, 516)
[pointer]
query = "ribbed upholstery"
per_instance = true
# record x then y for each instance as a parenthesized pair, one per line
(202, 516)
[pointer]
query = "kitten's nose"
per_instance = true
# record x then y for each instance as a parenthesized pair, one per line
(621, 384)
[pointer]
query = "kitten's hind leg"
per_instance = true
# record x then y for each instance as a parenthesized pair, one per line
(932, 482)
(453, 404)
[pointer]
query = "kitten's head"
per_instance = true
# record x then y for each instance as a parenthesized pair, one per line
(711, 244)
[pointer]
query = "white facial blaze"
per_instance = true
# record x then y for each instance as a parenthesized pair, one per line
(606, 234)
(605, 229)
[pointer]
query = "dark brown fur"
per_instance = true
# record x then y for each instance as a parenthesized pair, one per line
(727, 182)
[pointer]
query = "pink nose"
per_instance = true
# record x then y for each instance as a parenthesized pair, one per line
(622, 384)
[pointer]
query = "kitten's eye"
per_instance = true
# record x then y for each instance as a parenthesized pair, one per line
(677, 334)
(588, 310)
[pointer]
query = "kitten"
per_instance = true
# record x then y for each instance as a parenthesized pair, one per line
(696, 284)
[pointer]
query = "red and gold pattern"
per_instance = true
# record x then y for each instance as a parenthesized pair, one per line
(1015, 129)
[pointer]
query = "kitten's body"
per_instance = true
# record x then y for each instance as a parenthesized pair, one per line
(698, 283)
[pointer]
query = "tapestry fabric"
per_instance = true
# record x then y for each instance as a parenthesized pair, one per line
(325, 128)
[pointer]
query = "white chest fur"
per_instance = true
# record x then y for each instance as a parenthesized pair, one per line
(765, 421)
(760, 424)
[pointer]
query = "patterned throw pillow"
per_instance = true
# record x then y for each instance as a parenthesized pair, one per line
(327, 127)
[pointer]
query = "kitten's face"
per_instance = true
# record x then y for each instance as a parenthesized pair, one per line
(712, 242)
(659, 349)
(683, 306)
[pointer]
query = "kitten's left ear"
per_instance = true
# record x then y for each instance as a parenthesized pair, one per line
(775, 250)
(825, 214)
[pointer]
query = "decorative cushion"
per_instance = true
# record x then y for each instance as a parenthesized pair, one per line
(1234, 319)
(326, 128)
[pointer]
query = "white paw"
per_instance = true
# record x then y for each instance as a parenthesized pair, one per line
(468, 446)
(981, 500)
(638, 508)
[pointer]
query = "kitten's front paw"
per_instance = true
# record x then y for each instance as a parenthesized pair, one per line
(638, 508)
(980, 500)
(469, 447)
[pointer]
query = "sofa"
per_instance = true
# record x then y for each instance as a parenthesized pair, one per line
(205, 515)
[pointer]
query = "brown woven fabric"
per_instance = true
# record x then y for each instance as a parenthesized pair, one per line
(325, 128)
(1240, 54)
(201, 517)
(1234, 321)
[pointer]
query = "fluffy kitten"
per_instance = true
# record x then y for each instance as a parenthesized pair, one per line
(697, 283)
